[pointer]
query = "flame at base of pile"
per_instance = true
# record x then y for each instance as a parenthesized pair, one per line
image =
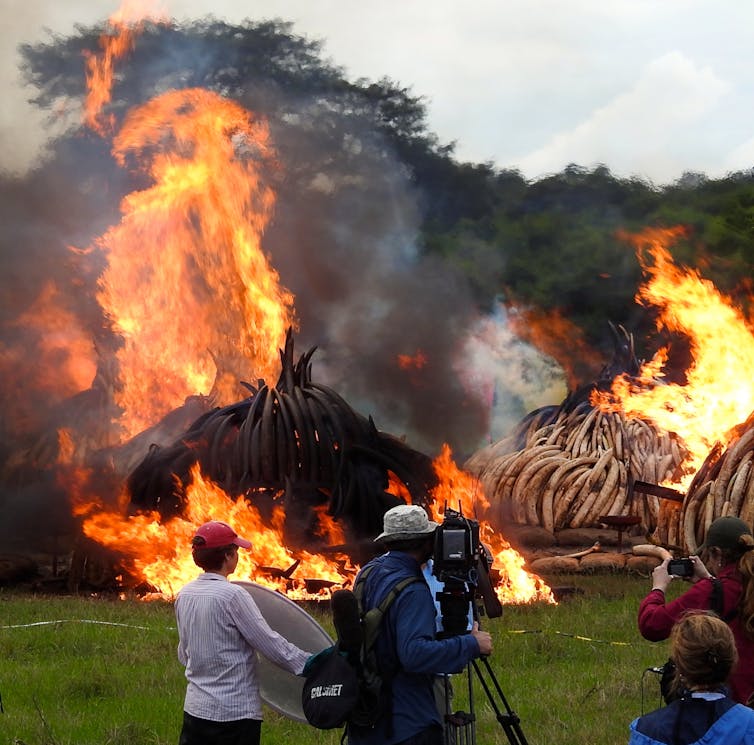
(302, 475)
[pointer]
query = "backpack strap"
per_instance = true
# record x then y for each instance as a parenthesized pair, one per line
(372, 619)
(372, 627)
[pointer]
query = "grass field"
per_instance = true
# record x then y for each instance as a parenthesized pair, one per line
(101, 671)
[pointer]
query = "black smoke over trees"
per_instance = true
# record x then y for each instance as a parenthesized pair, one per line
(343, 237)
(389, 244)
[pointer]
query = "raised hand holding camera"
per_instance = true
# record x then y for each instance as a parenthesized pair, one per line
(681, 567)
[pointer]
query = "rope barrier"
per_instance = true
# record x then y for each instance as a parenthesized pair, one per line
(83, 620)
(579, 637)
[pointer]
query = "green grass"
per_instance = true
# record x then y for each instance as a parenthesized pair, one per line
(573, 673)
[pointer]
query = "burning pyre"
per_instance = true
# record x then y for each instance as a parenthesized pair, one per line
(291, 465)
(301, 473)
(580, 464)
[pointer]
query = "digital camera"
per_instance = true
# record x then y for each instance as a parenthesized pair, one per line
(681, 567)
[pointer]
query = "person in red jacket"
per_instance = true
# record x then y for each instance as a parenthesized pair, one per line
(724, 583)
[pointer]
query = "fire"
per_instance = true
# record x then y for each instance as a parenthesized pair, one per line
(159, 552)
(198, 307)
(412, 362)
(125, 25)
(558, 338)
(188, 287)
(460, 491)
(63, 344)
(717, 394)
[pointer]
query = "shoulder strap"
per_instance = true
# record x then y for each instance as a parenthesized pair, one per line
(372, 619)
(371, 627)
(717, 601)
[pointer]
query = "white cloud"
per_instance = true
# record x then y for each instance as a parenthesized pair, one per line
(647, 130)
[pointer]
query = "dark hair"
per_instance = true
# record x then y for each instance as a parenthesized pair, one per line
(743, 554)
(211, 559)
(703, 649)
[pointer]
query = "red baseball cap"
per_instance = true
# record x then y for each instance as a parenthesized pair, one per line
(216, 534)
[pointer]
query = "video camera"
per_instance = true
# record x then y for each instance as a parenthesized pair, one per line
(462, 563)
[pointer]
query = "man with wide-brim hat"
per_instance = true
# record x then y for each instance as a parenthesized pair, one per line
(410, 656)
(722, 581)
(404, 523)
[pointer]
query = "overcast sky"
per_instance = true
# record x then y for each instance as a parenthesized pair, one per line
(650, 88)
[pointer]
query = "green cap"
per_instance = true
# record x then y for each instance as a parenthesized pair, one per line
(724, 533)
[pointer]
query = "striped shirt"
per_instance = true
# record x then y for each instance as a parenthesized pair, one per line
(220, 628)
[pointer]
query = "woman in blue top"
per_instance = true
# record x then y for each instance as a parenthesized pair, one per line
(704, 651)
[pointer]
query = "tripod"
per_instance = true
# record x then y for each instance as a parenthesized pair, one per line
(460, 726)
(461, 563)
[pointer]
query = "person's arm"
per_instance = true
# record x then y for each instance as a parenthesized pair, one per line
(257, 632)
(656, 617)
(417, 648)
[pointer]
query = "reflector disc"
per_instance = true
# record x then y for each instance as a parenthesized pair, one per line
(279, 689)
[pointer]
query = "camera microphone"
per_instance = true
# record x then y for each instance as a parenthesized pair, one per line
(347, 621)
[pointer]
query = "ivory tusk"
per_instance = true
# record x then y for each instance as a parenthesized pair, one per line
(596, 547)
(649, 549)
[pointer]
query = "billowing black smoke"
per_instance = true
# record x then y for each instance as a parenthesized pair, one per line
(345, 239)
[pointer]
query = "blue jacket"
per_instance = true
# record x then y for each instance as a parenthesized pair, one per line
(407, 644)
(696, 721)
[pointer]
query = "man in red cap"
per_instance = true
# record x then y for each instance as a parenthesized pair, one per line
(220, 628)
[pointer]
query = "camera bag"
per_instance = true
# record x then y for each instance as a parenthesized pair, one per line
(344, 684)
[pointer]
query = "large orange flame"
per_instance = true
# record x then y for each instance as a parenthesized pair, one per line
(158, 552)
(198, 306)
(188, 286)
(717, 393)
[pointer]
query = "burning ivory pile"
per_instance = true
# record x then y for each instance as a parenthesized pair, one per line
(574, 468)
(724, 485)
(566, 469)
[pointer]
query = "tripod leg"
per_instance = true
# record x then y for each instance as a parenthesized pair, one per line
(460, 725)
(509, 720)
(443, 699)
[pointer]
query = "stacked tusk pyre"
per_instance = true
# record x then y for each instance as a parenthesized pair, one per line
(572, 465)
(296, 443)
